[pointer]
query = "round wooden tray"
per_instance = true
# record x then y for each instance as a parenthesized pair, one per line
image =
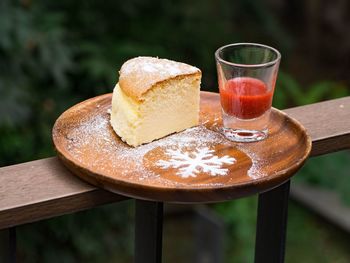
(197, 165)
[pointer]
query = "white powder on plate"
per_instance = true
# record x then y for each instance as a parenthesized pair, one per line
(95, 134)
(115, 157)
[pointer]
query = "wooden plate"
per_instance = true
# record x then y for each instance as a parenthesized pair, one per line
(197, 165)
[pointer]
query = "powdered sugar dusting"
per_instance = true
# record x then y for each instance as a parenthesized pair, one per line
(189, 164)
(165, 67)
(215, 161)
(256, 171)
(96, 134)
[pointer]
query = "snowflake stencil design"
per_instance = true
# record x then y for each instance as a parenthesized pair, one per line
(192, 163)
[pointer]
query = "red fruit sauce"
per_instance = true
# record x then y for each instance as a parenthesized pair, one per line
(245, 97)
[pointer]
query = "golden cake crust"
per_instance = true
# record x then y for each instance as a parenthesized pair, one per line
(141, 74)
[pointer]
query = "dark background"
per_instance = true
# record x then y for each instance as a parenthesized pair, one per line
(54, 54)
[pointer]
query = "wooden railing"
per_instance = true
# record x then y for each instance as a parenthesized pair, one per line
(44, 188)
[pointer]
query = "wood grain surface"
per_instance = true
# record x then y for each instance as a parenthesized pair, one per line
(42, 189)
(328, 124)
(89, 147)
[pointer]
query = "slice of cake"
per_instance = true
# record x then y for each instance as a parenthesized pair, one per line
(154, 98)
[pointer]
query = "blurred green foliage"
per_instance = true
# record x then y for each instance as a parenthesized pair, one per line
(289, 92)
(307, 235)
(240, 220)
(103, 234)
(329, 171)
(54, 54)
(57, 53)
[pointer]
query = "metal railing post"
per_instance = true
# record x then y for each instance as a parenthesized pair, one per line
(148, 231)
(272, 225)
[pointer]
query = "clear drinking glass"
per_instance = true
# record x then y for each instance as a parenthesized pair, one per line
(247, 74)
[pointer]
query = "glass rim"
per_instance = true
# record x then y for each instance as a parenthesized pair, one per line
(270, 63)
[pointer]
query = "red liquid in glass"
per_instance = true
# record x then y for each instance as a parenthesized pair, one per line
(245, 97)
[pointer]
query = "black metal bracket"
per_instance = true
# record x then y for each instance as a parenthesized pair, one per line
(13, 244)
(8, 244)
(272, 225)
(148, 231)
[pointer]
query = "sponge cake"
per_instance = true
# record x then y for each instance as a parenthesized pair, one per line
(154, 98)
